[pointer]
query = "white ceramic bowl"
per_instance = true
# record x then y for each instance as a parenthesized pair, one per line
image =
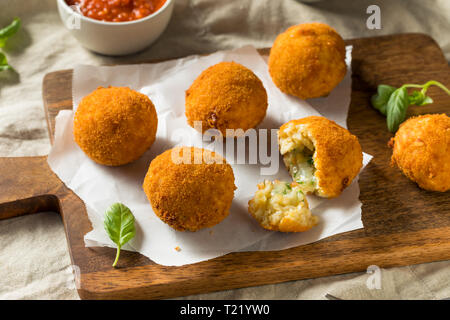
(115, 38)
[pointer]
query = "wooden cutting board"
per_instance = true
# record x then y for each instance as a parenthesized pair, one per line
(403, 224)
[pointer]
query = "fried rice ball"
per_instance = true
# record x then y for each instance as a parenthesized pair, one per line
(321, 156)
(308, 60)
(115, 125)
(281, 206)
(226, 96)
(422, 151)
(190, 188)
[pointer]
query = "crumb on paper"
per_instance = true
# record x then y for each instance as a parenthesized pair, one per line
(210, 232)
(177, 248)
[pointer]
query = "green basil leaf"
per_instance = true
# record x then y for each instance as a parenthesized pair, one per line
(426, 100)
(3, 59)
(416, 97)
(9, 31)
(396, 109)
(381, 98)
(4, 62)
(419, 98)
(119, 225)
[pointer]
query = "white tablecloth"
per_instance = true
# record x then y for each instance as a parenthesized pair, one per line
(34, 261)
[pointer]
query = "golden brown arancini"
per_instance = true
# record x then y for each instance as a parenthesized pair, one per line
(422, 151)
(115, 125)
(281, 206)
(320, 155)
(308, 60)
(188, 190)
(226, 96)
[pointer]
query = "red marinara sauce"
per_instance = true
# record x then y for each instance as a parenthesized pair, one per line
(117, 10)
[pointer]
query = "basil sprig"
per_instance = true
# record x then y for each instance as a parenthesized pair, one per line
(119, 225)
(6, 33)
(394, 102)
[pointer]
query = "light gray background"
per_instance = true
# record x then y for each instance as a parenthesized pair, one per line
(34, 261)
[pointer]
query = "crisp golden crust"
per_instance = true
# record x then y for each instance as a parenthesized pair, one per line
(226, 96)
(281, 206)
(337, 153)
(308, 60)
(115, 125)
(422, 151)
(189, 196)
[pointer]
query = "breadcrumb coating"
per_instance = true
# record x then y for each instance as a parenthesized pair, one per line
(281, 206)
(190, 196)
(308, 60)
(226, 96)
(422, 151)
(336, 155)
(115, 125)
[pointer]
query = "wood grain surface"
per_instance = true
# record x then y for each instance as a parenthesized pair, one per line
(402, 224)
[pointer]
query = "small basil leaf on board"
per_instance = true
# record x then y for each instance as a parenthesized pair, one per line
(119, 225)
(9, 31)
(396, 108)
(381, 98)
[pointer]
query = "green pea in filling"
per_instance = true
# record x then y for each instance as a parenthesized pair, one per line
(300, 163)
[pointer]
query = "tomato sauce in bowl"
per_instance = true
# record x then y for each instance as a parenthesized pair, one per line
(117, 10)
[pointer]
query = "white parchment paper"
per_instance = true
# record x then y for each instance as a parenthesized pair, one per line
(165, 83)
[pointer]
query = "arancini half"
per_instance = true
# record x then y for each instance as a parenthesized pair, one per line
(281, 206)
(321, 156)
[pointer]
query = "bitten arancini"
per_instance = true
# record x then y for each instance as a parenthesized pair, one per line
(308, 60)
(190, 188)
(281, 206)
(115, 125)
(422, 151)
(321, 156)
(226, 96)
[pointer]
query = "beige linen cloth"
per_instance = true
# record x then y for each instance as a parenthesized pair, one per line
(34, 260)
